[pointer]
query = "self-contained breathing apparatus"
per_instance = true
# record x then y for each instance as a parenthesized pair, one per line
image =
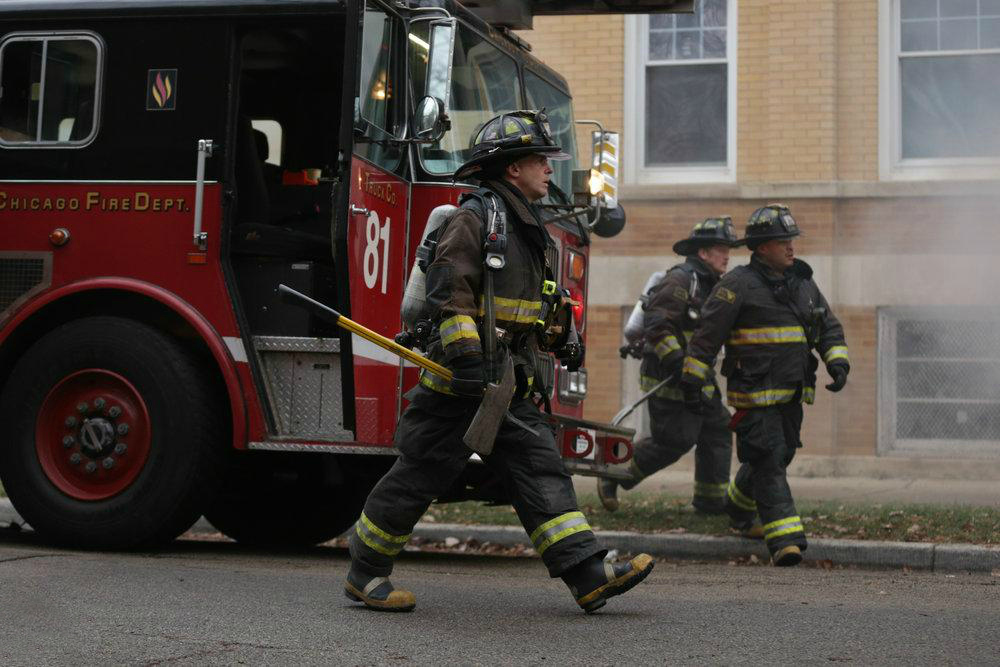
(635, 324)
(555, 325)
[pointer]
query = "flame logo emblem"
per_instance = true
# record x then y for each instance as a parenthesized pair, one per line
(163, 90)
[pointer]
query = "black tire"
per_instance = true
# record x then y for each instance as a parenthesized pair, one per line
(179, 473)
(289, 499)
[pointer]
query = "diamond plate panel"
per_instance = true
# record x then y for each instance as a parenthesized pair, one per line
(304, 389)
(296, 344)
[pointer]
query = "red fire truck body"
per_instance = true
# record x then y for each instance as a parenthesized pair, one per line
(163, 167)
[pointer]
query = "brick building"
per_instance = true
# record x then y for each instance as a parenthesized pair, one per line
(876, 122)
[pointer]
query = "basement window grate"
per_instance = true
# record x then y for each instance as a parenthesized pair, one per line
(939, 382)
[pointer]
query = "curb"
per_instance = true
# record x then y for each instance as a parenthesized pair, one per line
(864, 554)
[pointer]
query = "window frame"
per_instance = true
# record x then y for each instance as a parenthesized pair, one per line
(892, 166)
(887, 383)
(636, 61)
(62, 35)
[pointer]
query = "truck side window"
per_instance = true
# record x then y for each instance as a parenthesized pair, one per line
(484, 83)
(49, 90)
(377, 84)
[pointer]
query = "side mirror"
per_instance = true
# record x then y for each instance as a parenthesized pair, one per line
(430, 121)
(610, 222)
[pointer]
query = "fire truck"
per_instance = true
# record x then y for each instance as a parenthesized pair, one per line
(164, 166)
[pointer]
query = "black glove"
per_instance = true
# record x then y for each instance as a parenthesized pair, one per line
(692, 397)
(671, 366)
(572, 355)
(468, 377)
(839, 374)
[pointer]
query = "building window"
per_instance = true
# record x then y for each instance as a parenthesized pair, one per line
(940, 58)
(681, 96)
(939, 382)
(51, 90)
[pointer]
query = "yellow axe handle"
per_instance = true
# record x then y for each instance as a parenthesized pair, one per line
(327, 313)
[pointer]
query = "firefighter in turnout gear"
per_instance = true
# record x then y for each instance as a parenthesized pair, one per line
(771, 316)
(671, 313)
(510, 160)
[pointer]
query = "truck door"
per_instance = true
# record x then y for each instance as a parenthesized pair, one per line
(377, 221)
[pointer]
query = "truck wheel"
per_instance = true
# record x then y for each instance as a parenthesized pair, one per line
(113, 435)
(287, 499)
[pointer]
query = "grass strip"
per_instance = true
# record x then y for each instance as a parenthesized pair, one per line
(662, 513)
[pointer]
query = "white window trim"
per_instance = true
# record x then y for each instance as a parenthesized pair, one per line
(892, 167)
(636, 48)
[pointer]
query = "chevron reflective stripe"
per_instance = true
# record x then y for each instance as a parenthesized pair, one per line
(709, 490)
(787, 526)
(514, 310)
(737, 498)
(667, 345)
(767, 336)
(835, 352)
(557, 529)
(696, 368)
(436, 383)
(380, 540)
(759, 399)
(456, 328)
(646, 383)
(809, 395)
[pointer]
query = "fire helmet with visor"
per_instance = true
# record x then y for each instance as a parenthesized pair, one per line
(507, 138)
(769, 223)
(709, 232)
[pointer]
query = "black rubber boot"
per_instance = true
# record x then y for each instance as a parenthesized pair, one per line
(607, 491)
(593, 581)
(377, 592)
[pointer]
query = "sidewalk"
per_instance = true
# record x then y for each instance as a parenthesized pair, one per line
(678, 481)
(856, 553)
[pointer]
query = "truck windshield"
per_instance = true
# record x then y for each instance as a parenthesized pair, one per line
(559, 108)
(484, 83)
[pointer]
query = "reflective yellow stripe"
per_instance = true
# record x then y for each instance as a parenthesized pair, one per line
(709, 490)
(670, 393)
(378, 539)
(785, 531)
(558, 529)
(767, 335)
(695, 368)
(667, 345)
(457, 328)
(739, 499)
(436, 383)
(514, 310)
(809, 395)
(757, 399)
(835, 352)
(792, 524)
(688, 335)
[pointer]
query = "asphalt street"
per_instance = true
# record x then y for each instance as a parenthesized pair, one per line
(216, 603)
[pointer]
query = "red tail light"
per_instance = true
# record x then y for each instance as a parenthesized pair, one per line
(578, 307)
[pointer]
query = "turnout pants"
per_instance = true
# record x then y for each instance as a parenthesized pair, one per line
(675, 430)
(432, 456)
(766, 440)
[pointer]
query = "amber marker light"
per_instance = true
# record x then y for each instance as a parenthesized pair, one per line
(576, 266)
(59, 236)
(197, 258)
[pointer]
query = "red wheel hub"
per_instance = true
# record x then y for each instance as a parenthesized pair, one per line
(93, 434)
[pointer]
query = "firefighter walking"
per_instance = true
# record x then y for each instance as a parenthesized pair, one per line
(671, 311)
(771, 316)
(510, 160)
